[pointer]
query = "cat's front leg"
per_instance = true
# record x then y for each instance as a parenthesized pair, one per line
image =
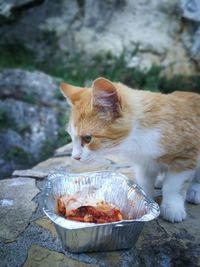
(193, 194)
(174, 190)
(145, 178)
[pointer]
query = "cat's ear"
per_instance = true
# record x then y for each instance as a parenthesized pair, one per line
(105, 97)
(71, 92)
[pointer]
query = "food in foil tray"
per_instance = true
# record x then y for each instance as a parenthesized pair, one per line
(98, 200)
(87, 210)
(79, 204)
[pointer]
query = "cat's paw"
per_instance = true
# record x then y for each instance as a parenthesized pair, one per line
(173, 213)
(193, 194)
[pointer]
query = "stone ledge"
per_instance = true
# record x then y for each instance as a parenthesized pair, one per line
(36, 242)
(40, 256)
(16, 205)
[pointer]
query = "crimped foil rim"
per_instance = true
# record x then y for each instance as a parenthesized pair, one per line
(154, 210)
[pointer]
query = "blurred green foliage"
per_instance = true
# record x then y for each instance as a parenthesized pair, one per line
(19, 155)
(63, 136)
(47, 149)
(16, 56)
(78, 72)
(49, 146)
(29, 98)
(3, 119)
(180, 83)
(6, 121)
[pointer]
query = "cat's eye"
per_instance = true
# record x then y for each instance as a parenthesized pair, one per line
(87, 138)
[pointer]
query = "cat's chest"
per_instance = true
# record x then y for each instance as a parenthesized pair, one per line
(143, 144)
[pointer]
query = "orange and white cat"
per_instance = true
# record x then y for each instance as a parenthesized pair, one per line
(158, 132)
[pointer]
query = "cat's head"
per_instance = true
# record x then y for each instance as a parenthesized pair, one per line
(98, 122)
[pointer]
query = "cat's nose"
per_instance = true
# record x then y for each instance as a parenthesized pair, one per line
(76, 153)
(76, 157)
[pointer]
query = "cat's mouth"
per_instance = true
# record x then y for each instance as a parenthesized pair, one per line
(85, 160)
(92, 159)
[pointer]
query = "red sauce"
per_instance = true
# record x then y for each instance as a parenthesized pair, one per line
(102, 213)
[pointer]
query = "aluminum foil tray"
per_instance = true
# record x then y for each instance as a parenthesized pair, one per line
(111, 187)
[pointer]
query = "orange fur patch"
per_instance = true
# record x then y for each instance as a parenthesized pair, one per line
(106, 131)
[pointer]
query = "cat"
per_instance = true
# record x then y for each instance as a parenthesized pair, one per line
(159, 132)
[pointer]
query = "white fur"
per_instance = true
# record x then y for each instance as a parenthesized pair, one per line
(193, 194)
(142, 144)
(174, 192)
(142, 147)
(77, 149)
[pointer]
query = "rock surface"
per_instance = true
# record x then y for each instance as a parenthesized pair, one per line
(33, 86)
(160, 243)
(29, 118)
(8, 8)
(16, 206)
(191, 12)
(40, 256)
(68, 28)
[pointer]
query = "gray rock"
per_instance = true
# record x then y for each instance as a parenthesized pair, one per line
(126, 27)
(10, 138)
(28, 86)
(16, 205)
(40, 256)
(191, 9)
(31, 173)
(195, 50)
(160, 243)
(27, 30)
(28, 133)
(191, 12)
(32, 122)
(8, 8)
(29, 118)
(89, 28)
(6, 167)
(13, 152)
